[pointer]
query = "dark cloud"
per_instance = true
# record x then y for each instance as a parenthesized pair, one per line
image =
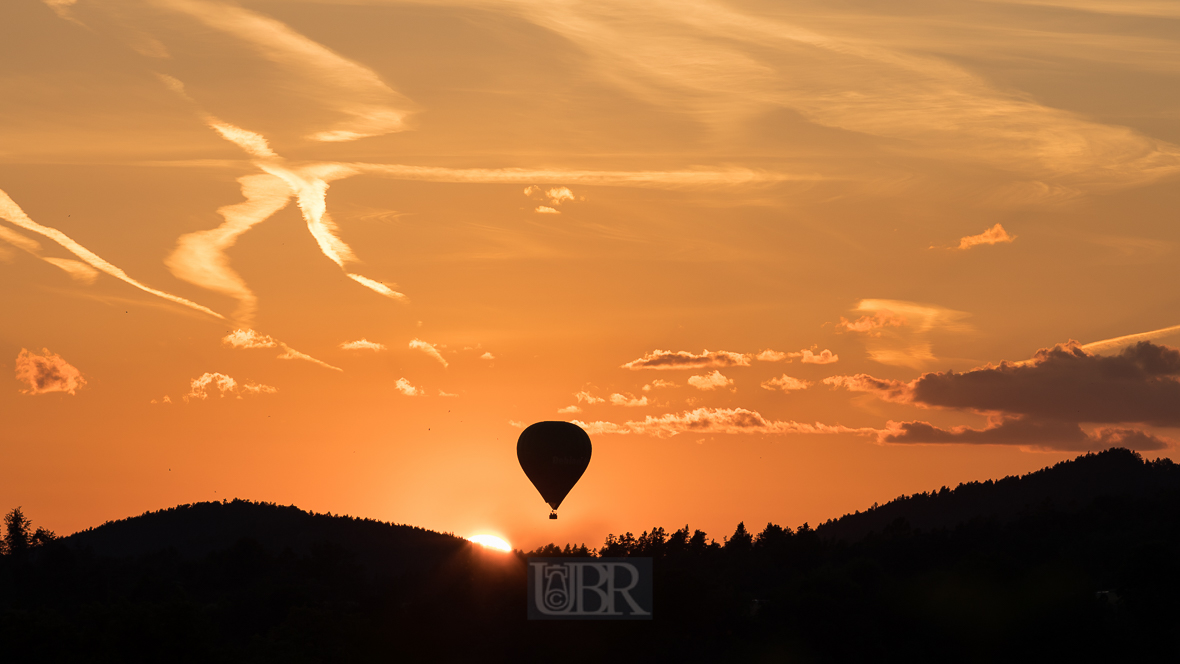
(1041, 402)
(1043, 434)
(666, 359)
(1066, 383)
(47, 372)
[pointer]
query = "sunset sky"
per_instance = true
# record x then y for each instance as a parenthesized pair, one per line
(337, 253)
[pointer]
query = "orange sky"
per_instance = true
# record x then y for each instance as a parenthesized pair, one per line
(205, 204)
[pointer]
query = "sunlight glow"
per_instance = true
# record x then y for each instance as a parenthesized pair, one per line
(491, 542)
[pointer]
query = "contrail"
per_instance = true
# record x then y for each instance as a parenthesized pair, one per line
(309, 184)
(1108, 344)
(12, 212)
(200, 257)
(671, 179)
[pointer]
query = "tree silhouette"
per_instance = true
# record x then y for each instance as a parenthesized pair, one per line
(17, 536)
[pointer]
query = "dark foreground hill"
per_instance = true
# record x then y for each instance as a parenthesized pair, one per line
(1076, 562)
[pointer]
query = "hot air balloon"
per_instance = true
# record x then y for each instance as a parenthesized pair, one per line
(553, 455)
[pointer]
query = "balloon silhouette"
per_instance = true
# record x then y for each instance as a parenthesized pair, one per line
(553, 455)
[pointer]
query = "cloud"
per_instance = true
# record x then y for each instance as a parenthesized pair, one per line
(247, 339)
(546, 210)
(899, 331)
(714, 420)
(711, 381)
(808, 356)
(362, 344)
(309, 184)
(627, 400)
(785, 383)
(559, 195)
(429, 349)
(657, 383)
(1042, 402)
(202, 387)
(689, 179)
(993, 235)
(870, 324)
(886, 390)
(487, 356)
(446, 394)
(1126, 340)
(47, 372)
(199, 257)
(13, 213)
(407, 389)
(1067, 383)
(722, 62)
(569, 409)
(823, 357)
(920, 317)
(586, 397)
(1036, 434)
(666, 359)
(371, 107)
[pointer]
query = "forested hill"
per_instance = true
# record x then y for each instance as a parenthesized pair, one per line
(1068, 486)
(197, 530)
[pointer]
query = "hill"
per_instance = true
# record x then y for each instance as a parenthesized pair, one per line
(1066, 487)
(1076, 561)
(195, 531)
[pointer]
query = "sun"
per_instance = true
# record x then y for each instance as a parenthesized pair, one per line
(491, 542)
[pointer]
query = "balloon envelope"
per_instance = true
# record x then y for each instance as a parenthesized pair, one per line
(553, 455)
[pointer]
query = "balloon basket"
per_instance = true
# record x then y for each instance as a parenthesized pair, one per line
(553, 515)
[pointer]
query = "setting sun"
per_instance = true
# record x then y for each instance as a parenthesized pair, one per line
(491, 542)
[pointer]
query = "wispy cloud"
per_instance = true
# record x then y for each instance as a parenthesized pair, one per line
(429, 349)
(657, 383)
(309, 184)
(720, 62)
(569, 409)
(78, 270)
(691, 179)
(994, 235)
(407, 389)
(544, 209)
(712, 381)
(785, 383)
(200, 256)
(10, 211)
(370, 106)
(204, 385)
(666, 359)
(249, 339)
(715, 420)
(47, 372)
(362, 344)
(899, 331)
